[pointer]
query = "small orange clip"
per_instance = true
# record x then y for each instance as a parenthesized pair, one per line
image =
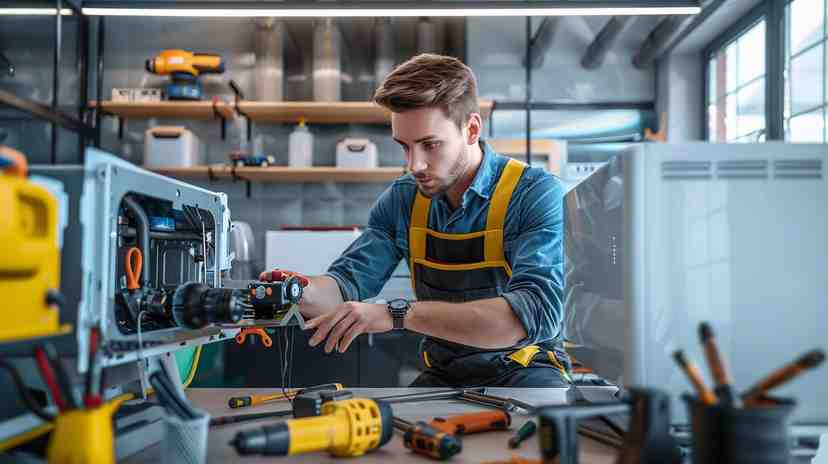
(133, 269)
(266, 341)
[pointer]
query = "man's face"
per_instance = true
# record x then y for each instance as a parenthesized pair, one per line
(435, 148)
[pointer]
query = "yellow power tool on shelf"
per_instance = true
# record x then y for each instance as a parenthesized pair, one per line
(184, 68)
(346, 428)
(29, 253)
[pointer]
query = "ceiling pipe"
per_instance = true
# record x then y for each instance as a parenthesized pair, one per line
(606, 38)
(542, 40)
(659, 39)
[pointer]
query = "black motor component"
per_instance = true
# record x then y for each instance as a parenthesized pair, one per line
(269, 298)
(196, 305)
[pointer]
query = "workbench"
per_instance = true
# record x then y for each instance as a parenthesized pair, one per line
(485, 447)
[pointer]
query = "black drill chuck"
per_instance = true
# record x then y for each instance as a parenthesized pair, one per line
(270, 440)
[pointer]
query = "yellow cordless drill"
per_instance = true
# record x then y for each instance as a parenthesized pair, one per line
(345, 428)
(184, 67)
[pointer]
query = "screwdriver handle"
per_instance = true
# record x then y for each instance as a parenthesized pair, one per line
(473, 422)
(424, 439)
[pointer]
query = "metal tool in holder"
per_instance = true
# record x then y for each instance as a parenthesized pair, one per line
(648, 440)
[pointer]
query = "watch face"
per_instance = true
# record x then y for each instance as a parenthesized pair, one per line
(398, 304)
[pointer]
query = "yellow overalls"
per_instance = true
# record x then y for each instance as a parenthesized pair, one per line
(459, 267)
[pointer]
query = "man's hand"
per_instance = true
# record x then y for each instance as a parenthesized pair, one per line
(341, 326)
(278, 275)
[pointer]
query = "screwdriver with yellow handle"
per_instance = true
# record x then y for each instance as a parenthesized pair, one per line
(253, 400)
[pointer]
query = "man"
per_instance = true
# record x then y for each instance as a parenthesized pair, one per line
(482, 235)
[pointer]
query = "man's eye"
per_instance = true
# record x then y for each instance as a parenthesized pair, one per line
(431, 145)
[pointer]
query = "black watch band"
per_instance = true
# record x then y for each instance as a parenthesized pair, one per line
(398, 308)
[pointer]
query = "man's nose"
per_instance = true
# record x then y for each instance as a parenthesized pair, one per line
(416, 162)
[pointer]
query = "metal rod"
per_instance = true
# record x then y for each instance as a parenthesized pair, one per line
(99, 78)
(42, 111)
(528, 101)
(56, 76)
(536, 105)
(83, 75)
(428, 396)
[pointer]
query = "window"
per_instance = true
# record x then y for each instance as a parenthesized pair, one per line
(806, 77)
(736, 88)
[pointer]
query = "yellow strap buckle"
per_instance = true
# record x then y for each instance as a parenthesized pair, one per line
(524, 355)
(554, 360)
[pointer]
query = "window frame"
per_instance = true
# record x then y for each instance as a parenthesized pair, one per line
(773, 13)
(788, 59)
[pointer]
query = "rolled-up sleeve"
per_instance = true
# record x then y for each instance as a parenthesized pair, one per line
(365, 266)
(535, 253)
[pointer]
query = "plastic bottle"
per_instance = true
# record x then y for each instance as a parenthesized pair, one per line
(300, 146)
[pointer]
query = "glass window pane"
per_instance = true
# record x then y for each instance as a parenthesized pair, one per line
(711, 80)
(751, 54)
(730, 126)
(750, 108)
(808, 127)
(730, 66)
(806, 19)
(711, 123)
(806, 80)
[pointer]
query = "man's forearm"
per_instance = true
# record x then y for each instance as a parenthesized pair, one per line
(320, 296)
(488, 324)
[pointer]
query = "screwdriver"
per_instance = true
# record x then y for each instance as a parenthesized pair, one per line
(253, 400)
(475, 422)
(782, 375)
(524, 433)
(424, 439)
(721, 376)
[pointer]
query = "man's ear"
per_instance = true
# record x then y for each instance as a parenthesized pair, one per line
(473, 129)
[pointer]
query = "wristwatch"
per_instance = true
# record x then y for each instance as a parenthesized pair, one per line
(398, 308)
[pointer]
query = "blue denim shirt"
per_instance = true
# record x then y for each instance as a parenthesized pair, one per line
(533, 242)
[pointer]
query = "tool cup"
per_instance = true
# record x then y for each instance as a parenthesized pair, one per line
(724, 434)
(185, 441)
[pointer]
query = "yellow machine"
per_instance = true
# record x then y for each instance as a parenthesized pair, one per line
(184, 68)
(345, 428)
(29, 254)
(182, 61)
(85, 436)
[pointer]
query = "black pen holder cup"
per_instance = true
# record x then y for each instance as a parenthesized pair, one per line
(755, 435)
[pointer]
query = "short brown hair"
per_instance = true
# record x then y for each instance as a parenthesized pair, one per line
(428, 80)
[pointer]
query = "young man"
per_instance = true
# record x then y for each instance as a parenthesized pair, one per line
(482, 235)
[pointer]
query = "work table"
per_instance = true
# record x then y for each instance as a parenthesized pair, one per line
(485, 447)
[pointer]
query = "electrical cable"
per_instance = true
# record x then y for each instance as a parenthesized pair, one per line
(49, 379)
(25, 395)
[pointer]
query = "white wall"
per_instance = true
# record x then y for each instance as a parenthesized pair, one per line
(680, 93)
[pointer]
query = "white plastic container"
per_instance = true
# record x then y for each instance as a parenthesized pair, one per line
(172, 146)
(356, 153)
(300, 147)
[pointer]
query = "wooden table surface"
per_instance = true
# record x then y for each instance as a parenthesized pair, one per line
(485, 447)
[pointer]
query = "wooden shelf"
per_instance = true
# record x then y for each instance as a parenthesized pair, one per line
(283, 174)
(202, 110)
(326, 112)
(290, 112)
